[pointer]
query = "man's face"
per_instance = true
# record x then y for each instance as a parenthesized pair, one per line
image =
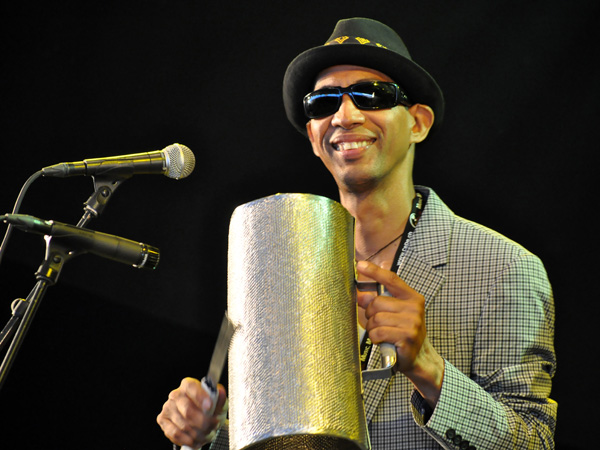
(361, 148)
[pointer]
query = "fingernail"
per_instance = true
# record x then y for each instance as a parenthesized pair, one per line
(361, 264)
(206, 405)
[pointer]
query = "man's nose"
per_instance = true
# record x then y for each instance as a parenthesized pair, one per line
(348, 115)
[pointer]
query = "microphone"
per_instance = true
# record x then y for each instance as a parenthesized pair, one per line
(118, 249)
(175, 161)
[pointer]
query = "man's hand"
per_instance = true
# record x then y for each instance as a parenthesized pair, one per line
(184, 418)
(400, 320)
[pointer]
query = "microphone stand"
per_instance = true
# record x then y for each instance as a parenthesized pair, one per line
(49, 271)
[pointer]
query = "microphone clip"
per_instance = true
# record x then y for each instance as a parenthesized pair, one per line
(104, 188)
(57, 254)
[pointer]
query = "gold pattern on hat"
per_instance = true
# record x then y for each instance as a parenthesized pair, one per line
(341, 39)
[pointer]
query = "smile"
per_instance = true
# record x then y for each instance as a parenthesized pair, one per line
(344, 145)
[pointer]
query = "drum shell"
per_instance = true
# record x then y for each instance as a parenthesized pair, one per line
(294, 371)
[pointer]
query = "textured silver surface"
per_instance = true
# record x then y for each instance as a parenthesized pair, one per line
(294, 372)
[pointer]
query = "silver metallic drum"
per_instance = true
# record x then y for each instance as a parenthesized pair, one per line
(294, 371)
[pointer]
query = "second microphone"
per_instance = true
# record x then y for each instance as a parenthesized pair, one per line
(116, 248)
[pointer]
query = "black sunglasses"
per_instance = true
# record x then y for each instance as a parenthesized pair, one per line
(370, 95)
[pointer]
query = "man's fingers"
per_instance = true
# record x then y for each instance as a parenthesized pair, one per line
(365, 298)
(175, 426)
(395, 286)
(193, 389)
(394, 327)
(183, 418)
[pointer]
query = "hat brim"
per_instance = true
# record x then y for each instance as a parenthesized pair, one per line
(302, 72)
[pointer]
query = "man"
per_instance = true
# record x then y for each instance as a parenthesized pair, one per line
(469, 312)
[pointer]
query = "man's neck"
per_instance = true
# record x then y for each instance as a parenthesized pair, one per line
(380, 215)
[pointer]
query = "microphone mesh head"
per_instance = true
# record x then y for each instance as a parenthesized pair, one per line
(180, 161)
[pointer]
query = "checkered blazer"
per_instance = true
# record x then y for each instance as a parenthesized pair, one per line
(490, 315)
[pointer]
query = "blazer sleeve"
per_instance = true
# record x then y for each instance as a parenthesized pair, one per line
(504, 402)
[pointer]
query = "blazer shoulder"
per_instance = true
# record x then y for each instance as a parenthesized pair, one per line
(446, 236)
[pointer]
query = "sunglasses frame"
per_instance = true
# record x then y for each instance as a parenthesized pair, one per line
(400, 97)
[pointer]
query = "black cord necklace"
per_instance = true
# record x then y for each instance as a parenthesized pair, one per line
(417, 207)
(384, 247)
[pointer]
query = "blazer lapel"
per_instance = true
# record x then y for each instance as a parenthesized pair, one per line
(425, 280)
(427, 251)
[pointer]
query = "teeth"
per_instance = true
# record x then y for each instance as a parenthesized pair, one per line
(350, 145)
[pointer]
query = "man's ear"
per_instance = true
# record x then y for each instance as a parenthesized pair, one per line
(424, 118)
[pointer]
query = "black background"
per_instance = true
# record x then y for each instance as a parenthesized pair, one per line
(90, 79)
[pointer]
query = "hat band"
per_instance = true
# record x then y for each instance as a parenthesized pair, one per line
(353, 40)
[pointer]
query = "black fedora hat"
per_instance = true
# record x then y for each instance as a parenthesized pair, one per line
(361, 42)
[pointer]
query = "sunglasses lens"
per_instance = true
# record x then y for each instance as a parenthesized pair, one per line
(321, 103)
(374, 95)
